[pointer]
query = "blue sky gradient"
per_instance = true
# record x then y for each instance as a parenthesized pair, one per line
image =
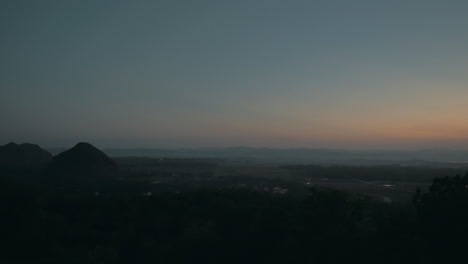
(325, 74)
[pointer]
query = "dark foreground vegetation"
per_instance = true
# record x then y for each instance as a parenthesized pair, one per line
(80, 206)
(231, 226)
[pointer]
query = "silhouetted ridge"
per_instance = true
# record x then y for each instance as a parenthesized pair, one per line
(84, 161)
(11, 145)
(35, 153)
(25, 155)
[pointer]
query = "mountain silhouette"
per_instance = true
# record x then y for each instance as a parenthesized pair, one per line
(22, 156)
(82, 162)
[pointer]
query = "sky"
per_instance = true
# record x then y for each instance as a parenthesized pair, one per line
(313, 74)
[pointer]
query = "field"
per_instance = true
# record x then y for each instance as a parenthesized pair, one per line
(389, 183)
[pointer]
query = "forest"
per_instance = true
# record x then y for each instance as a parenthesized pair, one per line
(232, 226)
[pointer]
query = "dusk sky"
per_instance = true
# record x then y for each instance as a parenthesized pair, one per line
(314, 74)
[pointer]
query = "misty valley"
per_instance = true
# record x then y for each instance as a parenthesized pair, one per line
(82, 206)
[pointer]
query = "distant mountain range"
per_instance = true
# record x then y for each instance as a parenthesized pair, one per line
(305, 155)
(14, 155)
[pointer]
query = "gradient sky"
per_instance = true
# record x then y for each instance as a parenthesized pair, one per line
(320, 74)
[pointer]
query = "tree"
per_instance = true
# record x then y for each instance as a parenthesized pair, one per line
(443, 216)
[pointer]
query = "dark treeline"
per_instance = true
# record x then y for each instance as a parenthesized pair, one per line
(45, 226)
(192, 163)
(374, 173)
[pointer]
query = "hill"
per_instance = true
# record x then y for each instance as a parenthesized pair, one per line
(23, 156)
(83, 161)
